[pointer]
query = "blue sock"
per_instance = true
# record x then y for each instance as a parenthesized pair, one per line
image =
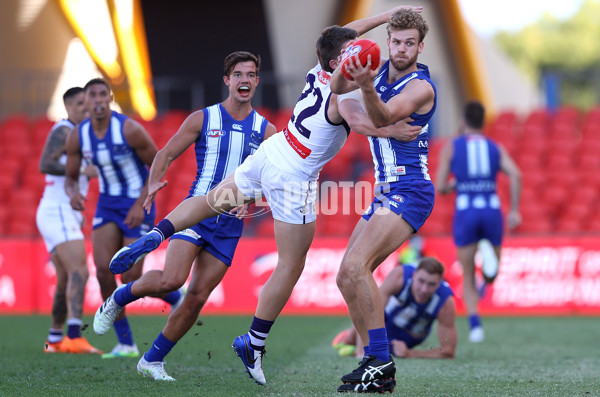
(367, 350)
(124, 296)
(172, 297)
(259, 330)
(123, 332)
(165, 229)
(74, 328)
(474, 321)
(160, 348)
(378, 344)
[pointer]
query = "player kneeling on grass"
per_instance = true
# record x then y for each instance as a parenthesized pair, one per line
(414, 298)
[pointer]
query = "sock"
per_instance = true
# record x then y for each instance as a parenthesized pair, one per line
(366, 349)
(160, 348)
(378, 344)
(123, 332)
(474, 321)
(164, 228)
(55, 335)
(258, 333)
(124, 296)
(172, 297)
(74, 328)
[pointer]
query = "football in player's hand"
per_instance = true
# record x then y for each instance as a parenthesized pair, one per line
(364, 48)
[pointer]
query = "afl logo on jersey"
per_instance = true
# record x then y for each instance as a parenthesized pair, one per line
(398, 198)
(215, 133)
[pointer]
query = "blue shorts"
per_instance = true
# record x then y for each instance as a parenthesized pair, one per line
(109, 212)
(413, 200)
(472, 225)
(218, 235)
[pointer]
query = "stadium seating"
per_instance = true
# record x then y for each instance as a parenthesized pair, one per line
(557, 152)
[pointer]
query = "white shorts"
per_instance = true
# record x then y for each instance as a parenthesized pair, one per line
(58, 222)
(292, 198)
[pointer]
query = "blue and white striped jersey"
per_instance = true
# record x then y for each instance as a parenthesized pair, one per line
(407, 320)
(397, 161)
(475, 164)
(223, 145)
(121, 173)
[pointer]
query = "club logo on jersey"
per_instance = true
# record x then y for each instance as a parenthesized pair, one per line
(255, 138)
(237, 127)
(215, 133)
(399, 170)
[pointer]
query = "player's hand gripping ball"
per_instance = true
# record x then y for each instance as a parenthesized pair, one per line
(364, 48)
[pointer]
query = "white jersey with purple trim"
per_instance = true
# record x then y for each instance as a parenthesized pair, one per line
(310, 139)
(55, 184)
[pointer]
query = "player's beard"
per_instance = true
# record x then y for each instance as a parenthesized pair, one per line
(403, 64)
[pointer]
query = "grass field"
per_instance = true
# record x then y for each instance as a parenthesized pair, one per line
(520, 357)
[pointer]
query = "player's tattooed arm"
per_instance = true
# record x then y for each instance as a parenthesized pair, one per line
(54, 148)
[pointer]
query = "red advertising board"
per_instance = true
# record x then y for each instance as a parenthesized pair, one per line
(551, 275)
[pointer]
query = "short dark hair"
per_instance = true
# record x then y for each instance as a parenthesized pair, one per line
(408, 19)
(71, 92)
(240, 56)
(330, 44)
(431, 266)
(95, 81)
(474, 115)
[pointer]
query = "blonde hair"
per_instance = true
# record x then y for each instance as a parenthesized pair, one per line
(407, 19)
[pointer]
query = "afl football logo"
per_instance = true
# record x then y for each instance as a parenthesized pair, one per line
(215, 133)
(353, 50)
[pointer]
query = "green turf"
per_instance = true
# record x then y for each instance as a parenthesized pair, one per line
(520, 357)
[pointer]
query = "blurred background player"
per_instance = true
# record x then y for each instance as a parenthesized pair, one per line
(60, 227)
(212, 242)
(414, 298)
(122, 151)
(404, 194)
(475, 162)
(284, 169)
(413, 251)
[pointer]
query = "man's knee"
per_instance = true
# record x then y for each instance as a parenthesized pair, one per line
(194, 302)
(170, 283)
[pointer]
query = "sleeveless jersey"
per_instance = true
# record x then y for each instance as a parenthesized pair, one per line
(55, 184)
(475, 164)
(223, 145)
(397, 161)
(409, 319)
(310, 139)
(121, 173)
